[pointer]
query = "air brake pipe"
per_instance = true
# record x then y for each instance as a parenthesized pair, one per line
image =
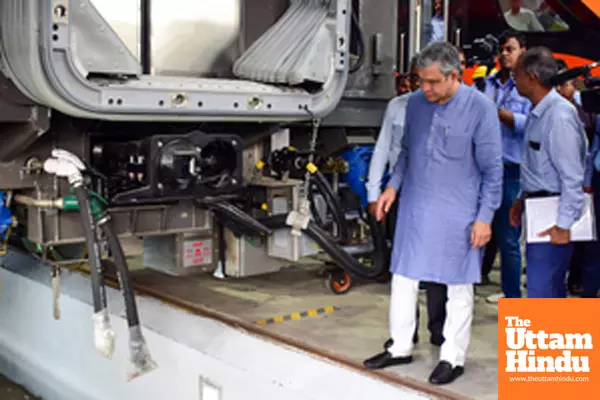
(139, 353)
(104, 334)
(39, 203)
(333, 202)
(331, 199)
(337, 252)
(235, 214)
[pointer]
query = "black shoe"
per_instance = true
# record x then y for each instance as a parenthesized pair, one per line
(386, 359)
(436, 340)
(388, 343)
(444, 373)
(485, 280)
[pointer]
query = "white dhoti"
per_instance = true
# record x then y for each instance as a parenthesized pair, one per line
(457, 327)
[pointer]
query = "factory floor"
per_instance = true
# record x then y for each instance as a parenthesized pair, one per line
(353, 326)
(11, 391)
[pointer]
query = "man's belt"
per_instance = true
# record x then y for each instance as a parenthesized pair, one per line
(540, 193)
(511, 165)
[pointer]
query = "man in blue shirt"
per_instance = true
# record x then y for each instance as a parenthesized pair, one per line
(591, 257)
(512, 111)
(553, 165)
(438, 28)
(568, 90)
(450, 171)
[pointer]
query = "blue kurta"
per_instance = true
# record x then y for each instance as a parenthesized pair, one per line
(450, 169)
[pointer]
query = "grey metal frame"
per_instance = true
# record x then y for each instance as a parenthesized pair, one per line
(38, 57)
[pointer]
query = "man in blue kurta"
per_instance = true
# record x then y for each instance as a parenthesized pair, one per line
(450, 169)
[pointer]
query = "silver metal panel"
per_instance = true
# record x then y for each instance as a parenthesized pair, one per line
(195, 37)
(39, 59)
(52, 227)
(92, 39)
(298, 47)
(124, 18)
(376, 80)
(247, 257)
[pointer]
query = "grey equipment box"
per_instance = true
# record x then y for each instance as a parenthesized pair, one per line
(248, 257)
(182, 253)
(255, 256)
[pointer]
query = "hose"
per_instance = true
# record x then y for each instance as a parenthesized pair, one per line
(334, 204)
(105, 223)
(104, 335)
(232, 212)
(89, 228)
(40, 203)
(337, 253)
(313, 209)
(139, 353)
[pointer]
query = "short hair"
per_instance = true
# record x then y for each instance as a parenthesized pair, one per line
(443, 53)
(561, 64)
(460, 50)
(540, 62)
(512, 34)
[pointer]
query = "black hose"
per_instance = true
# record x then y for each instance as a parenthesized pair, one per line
(313, 209)
(105, 223)
(337, 253)
(89, 228)
(235, 214)
(222, 245)
(334, 204)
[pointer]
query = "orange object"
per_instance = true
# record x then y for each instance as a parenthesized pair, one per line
(548, 349)
(593, 5)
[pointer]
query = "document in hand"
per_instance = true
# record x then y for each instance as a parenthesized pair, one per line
(540, 215)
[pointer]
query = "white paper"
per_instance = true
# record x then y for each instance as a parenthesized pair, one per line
(541, 213)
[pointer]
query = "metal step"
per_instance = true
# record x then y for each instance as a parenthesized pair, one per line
(295, 49)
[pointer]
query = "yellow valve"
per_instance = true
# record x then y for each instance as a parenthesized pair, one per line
(312, 168)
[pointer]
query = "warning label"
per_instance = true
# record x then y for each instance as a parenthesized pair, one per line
(197, 253)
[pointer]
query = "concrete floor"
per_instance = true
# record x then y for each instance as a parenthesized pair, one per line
(11, 391)
(356, 329)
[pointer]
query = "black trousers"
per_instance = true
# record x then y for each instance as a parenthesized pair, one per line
(576, 266)
(437, 296)
(489, 256)
(437, 293)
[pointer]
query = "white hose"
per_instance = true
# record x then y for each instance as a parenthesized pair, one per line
(104, 334)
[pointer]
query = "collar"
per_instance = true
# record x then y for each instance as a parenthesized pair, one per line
(495, 79)
(456, 95)
(546, 102)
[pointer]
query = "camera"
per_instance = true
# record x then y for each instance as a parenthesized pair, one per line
(590, 97)
(482, 51)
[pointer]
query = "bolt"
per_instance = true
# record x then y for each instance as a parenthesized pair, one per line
(198, 149)
(234, 143)
(160, 186)
(184, 215)
(159, 144)
(234, 181)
